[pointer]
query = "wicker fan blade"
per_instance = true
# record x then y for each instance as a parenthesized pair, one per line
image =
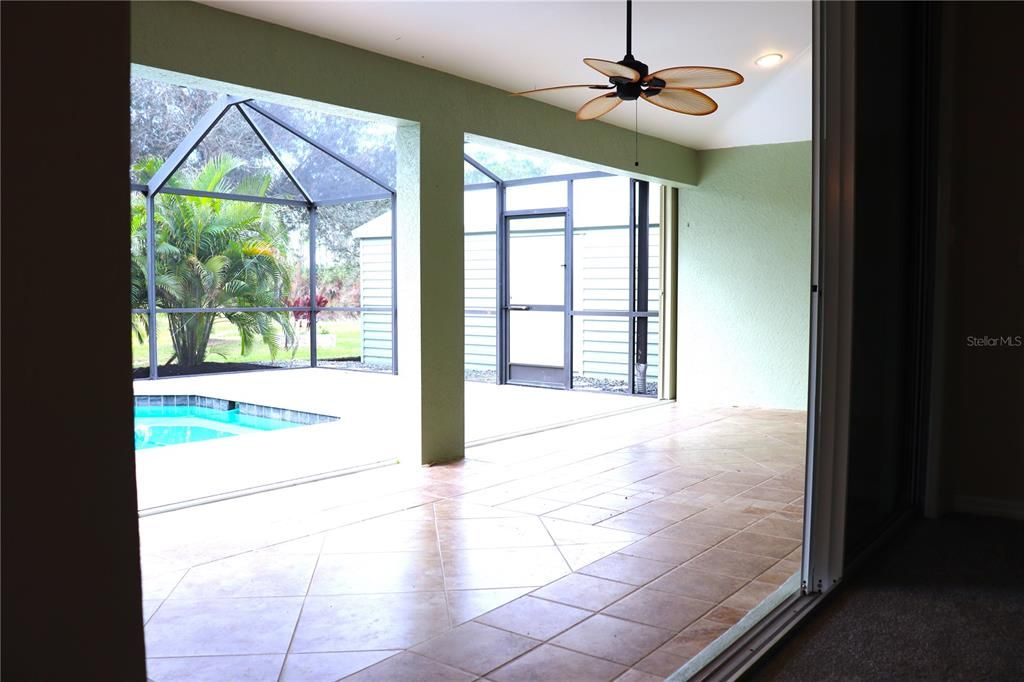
(563, 87)
(597, 107)
(683, 101)
(613, 70)
(697, 77)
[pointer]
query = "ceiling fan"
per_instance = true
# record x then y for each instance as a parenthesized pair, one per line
(675, 88)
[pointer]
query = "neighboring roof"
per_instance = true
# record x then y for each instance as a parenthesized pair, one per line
(379, 227)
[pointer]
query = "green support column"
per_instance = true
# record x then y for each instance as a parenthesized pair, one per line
(431, 403)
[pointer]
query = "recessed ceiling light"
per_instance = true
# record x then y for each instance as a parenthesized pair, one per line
(768, 60)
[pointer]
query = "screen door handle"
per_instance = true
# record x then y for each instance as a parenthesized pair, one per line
(518, 307)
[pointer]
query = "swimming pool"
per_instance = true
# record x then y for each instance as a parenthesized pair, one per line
(159, 425)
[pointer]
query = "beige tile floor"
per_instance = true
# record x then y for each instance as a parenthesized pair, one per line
(614, 549)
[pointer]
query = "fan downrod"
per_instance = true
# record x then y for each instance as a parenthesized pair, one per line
(677, 88)
(626, 88)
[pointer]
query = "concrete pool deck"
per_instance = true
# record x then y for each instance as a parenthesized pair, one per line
(364, 435)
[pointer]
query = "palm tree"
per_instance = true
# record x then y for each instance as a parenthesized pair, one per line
(140, 322)
(212, 253)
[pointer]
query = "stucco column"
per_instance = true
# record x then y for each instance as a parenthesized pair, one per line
(431, 404)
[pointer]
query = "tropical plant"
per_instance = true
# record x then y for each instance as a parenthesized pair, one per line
(306, 302)
(213, 253)
(140, 322)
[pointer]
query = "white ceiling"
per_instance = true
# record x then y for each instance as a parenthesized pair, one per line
(522, 45)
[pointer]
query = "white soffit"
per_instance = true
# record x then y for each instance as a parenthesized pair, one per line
(522, 45)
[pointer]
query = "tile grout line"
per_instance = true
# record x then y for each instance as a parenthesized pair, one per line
(302, 608)
(166, 598)
(560, 553)
(444, 573)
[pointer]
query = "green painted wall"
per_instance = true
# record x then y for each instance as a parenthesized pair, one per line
(744, 278)
(201, 41)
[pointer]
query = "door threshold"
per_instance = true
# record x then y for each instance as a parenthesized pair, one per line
(571, 422)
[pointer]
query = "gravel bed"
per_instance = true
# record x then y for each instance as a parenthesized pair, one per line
(485, 376)
(353, 365)
(579, 382)
(584, 383)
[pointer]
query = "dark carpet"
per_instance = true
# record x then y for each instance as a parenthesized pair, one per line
(943, 601)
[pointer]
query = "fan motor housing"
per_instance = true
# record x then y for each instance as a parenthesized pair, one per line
(625, 89)
(628, 91)
(634, 64)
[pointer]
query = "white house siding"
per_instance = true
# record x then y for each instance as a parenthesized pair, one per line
(481, 293)
(600, 344)
(375, 290)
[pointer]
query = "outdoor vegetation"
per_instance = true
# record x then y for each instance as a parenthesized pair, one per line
(339, 337)
(212, 253)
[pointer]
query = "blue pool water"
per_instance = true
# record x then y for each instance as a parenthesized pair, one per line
(172, 425)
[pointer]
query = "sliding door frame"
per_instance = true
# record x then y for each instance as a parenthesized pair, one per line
(829, 375)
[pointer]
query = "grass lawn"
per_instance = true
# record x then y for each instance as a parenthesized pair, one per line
(337, 338)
